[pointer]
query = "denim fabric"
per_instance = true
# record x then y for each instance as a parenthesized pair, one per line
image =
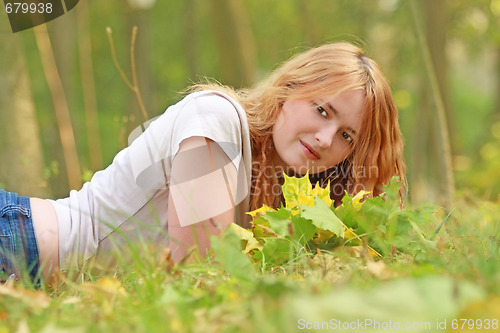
(18, 246)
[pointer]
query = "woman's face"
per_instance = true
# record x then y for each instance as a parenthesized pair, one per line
(317, 134)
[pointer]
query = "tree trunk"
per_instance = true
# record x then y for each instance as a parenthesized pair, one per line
(497, 95)
(61, 108)
(21, 160)
(437, 21)
(309, 24)
(442, 160)
(235, 42)
(88, 86)
(190, 32)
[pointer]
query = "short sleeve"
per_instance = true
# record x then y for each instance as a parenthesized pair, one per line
(212, 116)
(205, 114)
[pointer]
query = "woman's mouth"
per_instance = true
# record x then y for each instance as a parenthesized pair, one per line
(309, 151)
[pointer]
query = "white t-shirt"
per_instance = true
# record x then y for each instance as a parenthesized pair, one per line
(129, 198)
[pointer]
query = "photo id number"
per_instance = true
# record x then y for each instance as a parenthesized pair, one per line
(471, 324)
(25, 7)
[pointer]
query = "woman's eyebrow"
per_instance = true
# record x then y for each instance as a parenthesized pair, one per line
(335, 112)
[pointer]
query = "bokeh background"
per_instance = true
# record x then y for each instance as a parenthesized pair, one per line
(65, 110)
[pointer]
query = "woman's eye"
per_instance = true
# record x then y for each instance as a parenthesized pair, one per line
(321, 111)
(346, 137)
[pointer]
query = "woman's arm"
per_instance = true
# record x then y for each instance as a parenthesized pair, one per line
(201, 199)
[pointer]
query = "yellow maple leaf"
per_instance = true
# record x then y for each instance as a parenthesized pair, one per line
(322, 193)
(251, 243)
(261, 211)
(305, 199)
(293, 187)
(356, 200)
(323, 236)
(349, 234)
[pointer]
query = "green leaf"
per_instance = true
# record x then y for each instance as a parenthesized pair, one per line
(227, 249)
(279, 221)
(259, 220)
(278, 250)
(323, 217)
(261, 228)
(404, 300)
(271, 286)
(304, 229)
(260, 231)
(392, 189)
(441, 224)
(347, 213)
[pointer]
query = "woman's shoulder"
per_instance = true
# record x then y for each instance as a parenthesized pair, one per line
(211, 101)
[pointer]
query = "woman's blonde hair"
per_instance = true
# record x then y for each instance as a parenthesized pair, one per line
(326, 70)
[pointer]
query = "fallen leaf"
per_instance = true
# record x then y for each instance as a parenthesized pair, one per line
(23, 327)
(51, 328)
(36, 299)
(250, 242)
(106, 286)
(71, 300)
(478, 312)
(380, 270)
(166, 259)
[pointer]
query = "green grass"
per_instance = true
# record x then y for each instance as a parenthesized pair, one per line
(423, 280)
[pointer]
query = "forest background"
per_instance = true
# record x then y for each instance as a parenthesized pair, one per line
(62, 120)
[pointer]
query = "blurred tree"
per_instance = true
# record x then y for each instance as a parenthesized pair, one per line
(61, 109)
(438, 160)
(88, 86)
(436, 15)
(494, 34)
(475, 28)
(21, 158)
(141, 4)
(235, 42)
(309, 24)
(497, 94)
(190, 40)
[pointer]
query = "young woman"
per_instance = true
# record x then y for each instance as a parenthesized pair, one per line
(215, 155)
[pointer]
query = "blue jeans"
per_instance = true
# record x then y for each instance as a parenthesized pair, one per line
(18, 246)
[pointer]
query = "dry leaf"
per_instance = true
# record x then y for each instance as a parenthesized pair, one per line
(479, 315)
(35, 299)
(166, 259)
(23, 327)
(51, 328)
(71, 300)
(106, 286)
(380, 270)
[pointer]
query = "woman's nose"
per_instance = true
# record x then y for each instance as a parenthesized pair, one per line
(325, 135)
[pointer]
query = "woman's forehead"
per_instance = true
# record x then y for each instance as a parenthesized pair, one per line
(326, 94)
